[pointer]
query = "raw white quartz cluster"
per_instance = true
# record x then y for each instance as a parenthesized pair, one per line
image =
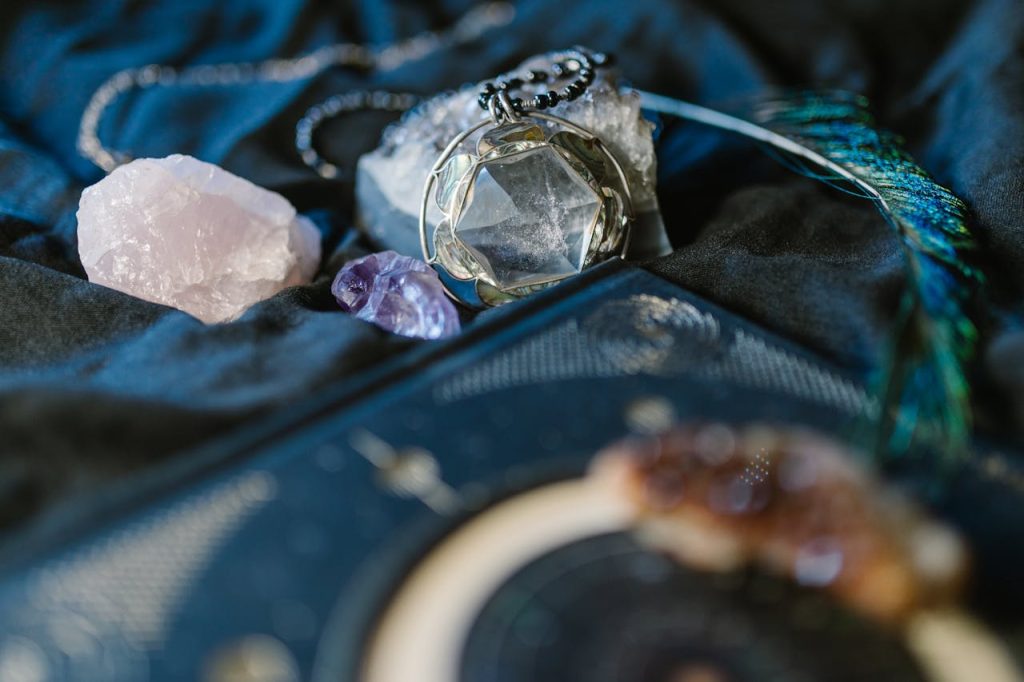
(191, 235)
(389, 181)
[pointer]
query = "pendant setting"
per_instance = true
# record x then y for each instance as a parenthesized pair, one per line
(539, 200)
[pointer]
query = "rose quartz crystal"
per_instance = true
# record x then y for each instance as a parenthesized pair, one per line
(189, 234)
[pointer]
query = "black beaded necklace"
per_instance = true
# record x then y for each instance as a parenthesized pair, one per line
(579, 62)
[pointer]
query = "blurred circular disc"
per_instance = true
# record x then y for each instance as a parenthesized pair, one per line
(549, 586)
(606, 609)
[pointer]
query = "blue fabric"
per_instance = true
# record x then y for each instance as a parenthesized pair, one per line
(94, 382)
(336, 541)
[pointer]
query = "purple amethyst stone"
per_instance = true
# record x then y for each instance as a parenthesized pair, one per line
(397, 293)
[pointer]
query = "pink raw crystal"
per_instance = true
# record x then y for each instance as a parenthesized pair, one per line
(191, 235)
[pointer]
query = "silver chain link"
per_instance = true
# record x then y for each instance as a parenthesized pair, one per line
(355, 100)
(473, 24)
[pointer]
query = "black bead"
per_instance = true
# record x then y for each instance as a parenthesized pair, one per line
(558, 69)
(489, 87)
(517, 105)
(484, 100)
(538, 76)
(541, 101)
(554, 97)
(587, 74)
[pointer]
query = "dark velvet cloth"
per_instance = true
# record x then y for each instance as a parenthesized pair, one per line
(94, 383)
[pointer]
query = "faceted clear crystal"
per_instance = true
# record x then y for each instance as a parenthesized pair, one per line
(528, 218)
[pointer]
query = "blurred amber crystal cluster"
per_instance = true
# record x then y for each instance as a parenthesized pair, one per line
(719, 498)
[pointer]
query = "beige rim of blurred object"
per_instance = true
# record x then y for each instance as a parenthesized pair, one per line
(422, 632)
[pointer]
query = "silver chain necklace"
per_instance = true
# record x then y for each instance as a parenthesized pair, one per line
(472, 25)
(353, 100)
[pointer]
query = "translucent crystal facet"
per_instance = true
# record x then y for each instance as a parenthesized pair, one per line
(528, 218)
(191, 235)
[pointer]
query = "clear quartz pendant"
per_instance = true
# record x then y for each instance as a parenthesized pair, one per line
(528, 218)
(540, 201)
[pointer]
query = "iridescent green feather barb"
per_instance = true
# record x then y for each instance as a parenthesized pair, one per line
(831, 136)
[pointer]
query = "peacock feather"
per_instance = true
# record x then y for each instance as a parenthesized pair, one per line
(831, 136)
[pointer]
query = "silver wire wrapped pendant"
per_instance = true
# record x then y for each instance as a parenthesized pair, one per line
(538, 200)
